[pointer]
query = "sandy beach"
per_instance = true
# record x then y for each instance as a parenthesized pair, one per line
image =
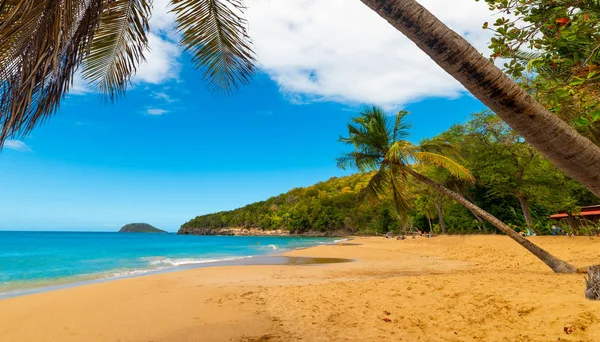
(475, 288)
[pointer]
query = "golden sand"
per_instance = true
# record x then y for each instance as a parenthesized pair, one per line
(476, 288)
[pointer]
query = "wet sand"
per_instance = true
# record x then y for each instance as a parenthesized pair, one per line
(476, 288)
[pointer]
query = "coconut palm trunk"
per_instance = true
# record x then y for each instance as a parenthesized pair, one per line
(440, 211)
(526, 212)
(557, 265)
(574, 154)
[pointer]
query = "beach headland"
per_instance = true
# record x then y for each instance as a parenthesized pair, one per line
(473, 288)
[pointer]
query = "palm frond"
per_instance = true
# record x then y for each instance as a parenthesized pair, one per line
(455, 169)
(377, 186)
(399, 152)
(399, 190)
(214, 32)
(527, 55)
(362, 161)
(42, 43)
(118, 46)
(400, 127)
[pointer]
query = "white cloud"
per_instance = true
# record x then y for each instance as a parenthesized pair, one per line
(17, 145)
(156, 111)
(343, 51)
(162, 61)
(163, 20)
(79, 86)
(161, 95)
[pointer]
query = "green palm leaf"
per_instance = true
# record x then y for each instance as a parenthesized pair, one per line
(214, 32)
(455, 169)
(399, 190)
(400, 127)
(43, 43)
(378, 184)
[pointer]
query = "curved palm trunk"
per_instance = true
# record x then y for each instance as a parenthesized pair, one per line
(553, 262)
(556, 140)
(440, 211)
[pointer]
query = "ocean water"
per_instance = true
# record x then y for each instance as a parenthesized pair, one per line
(30, 260)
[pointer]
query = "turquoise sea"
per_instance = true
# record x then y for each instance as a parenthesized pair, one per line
(33, 260)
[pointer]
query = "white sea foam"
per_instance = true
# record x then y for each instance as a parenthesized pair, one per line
(119, 274)
(174, 262)
(273, 247)
(340, 240)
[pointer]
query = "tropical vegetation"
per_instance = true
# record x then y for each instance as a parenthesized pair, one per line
(379, 148)
(405, 187)
(337, 204)
(543, 130)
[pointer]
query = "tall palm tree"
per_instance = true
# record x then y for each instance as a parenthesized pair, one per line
(44, 42)
(574, 154)
(380, 148)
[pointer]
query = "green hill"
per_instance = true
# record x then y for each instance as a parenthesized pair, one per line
(140, 228)
(330, 206)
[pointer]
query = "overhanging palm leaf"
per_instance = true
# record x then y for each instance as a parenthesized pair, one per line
(118, 46)
(43, 43)
(215, 34)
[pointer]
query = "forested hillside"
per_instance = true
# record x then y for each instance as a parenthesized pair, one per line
(326, 206)
(513, 183)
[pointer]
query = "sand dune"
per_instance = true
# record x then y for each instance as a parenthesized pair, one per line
(476, 288)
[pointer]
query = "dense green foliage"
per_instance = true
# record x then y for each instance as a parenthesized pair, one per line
(330, 205)
(380, 147)
(503, 164)
(553, 47)
(512, 178)
(140, 228)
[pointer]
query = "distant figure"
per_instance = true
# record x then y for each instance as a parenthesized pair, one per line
(258, 243)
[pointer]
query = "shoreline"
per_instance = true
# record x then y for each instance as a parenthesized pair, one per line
(445, 288)
(275, 257)
(257, 232)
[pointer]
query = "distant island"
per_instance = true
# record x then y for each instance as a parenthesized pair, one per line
(140, 228)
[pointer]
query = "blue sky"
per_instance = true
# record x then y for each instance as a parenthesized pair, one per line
(170, 150)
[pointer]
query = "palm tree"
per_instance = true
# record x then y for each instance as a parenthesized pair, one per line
(380, 148)
(572, 153)
(44, 42)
